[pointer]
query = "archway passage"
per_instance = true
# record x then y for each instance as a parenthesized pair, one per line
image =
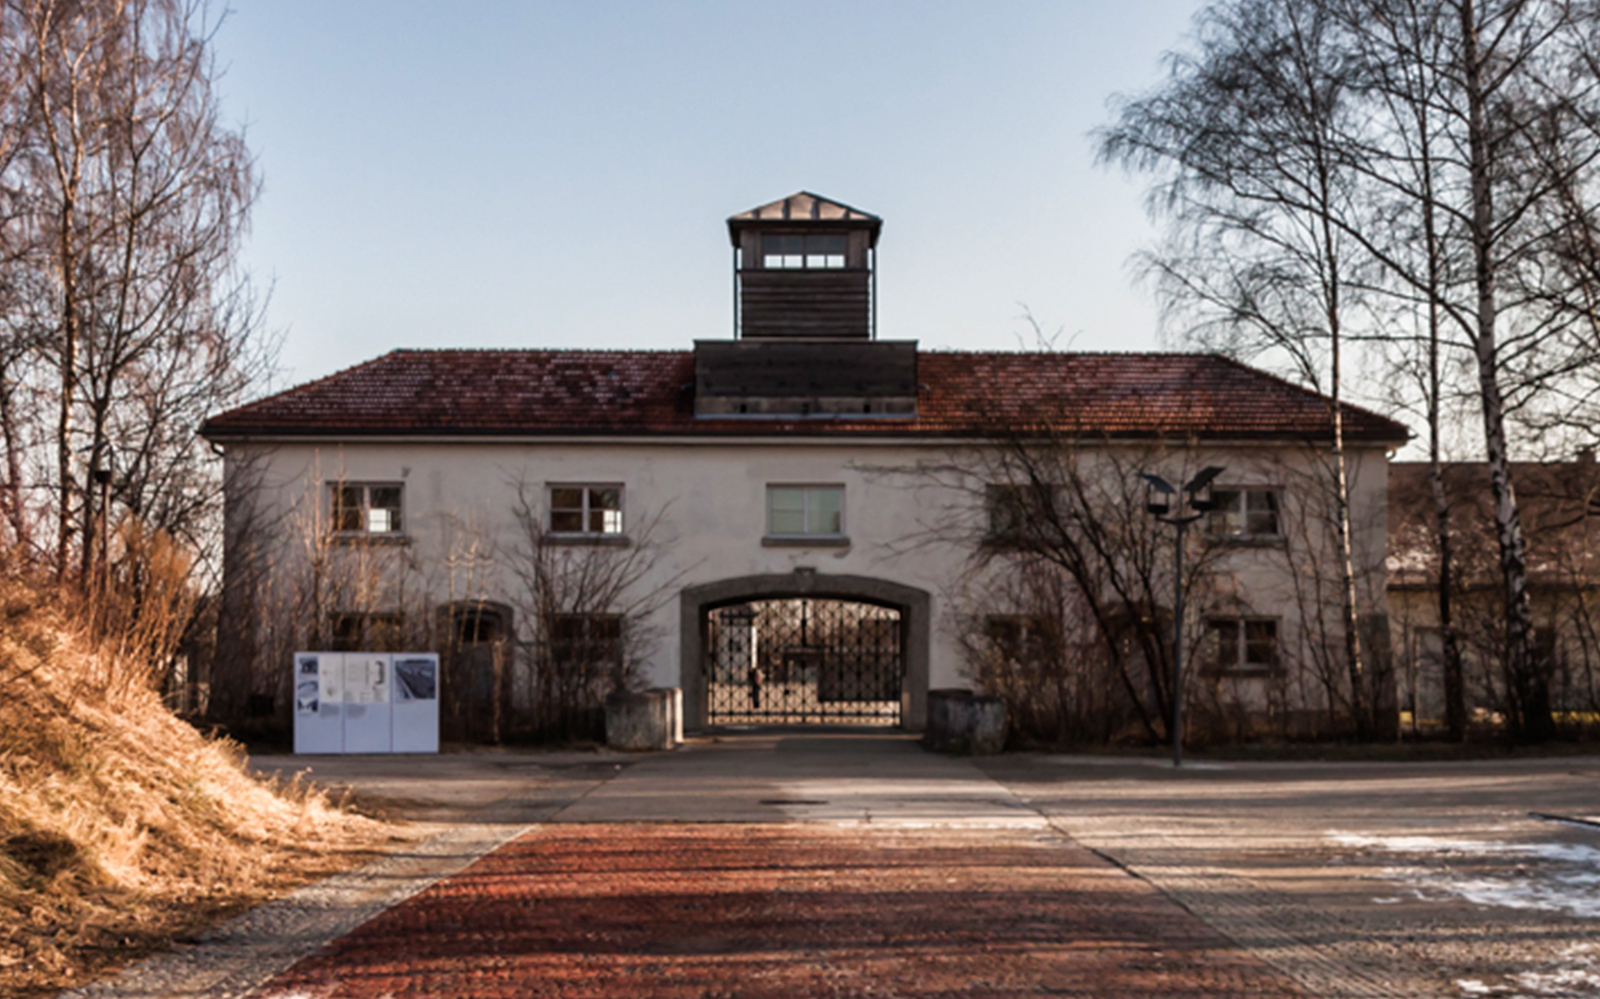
(804, 660)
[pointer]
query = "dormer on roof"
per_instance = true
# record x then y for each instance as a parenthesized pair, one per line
(805, 268)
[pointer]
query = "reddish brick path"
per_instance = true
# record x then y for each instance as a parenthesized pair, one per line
(703, 911)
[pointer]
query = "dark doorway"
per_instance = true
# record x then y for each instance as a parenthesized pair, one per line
(475, 697)
(804, 661)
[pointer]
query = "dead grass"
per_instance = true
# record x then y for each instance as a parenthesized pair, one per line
(121, 827)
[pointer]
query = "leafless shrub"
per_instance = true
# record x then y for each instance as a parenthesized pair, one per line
(585, 609)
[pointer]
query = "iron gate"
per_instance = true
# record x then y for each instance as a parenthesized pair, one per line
(801, 660)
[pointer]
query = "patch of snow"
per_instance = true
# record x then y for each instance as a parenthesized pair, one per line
(1561, 878)
(1579, 977)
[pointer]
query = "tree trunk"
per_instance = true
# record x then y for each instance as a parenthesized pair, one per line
(69, 388)
(1360, 702)
(1527, 688)
(1455, 691)
(11, 497)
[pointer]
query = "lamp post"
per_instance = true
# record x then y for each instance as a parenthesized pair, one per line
(1165, 502)
(102, 478)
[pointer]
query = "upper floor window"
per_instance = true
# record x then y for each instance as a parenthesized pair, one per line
(805, 511)
(1015, 512)
(796, 252)
(366, 508)
(1245, 645)
(1249, 513)
(586, 510)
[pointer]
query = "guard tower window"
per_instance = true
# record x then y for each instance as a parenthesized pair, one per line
(802, 252)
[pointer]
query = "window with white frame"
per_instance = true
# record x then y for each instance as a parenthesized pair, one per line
(591, 510)
(805, 511)
(1244, 644)
(1245, 513)
(794, 252)
(366, 507)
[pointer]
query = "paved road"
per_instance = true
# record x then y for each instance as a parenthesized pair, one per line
(767, 865)
(1359, 879)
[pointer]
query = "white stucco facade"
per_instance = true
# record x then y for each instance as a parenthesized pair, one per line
(700, 504)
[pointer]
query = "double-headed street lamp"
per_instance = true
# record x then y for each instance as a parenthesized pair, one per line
(1191, 504)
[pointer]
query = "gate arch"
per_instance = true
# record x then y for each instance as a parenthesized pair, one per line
(695, 603)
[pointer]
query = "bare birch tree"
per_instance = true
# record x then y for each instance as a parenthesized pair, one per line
(1245, 136)
(126, 305)
(586, 606)
(1509, 100)
(1466, 147)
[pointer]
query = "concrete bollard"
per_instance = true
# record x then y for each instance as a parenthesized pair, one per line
(988, 720)
(965, 723)
(945, 708)
(674, 696)
(640, 720)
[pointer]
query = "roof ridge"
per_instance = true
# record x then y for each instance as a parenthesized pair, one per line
(657, 351)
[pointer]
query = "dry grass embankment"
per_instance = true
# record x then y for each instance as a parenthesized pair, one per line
(121, 827)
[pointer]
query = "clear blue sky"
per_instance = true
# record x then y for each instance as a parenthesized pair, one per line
(557, 174)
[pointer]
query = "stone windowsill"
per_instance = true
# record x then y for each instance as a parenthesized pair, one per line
(382, 538)
(1249, 540)
(589, 540)
(805, 541)
(1242, 673)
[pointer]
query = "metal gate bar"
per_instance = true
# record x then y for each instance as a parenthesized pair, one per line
(802, 661)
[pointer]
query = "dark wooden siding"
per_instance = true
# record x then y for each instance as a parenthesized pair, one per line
(862, 370)
(805, 303)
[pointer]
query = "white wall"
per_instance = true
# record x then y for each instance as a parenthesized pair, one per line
(711, 501)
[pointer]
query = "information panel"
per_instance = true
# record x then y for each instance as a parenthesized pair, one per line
(318, 702)
(416, 702)
(367, 717)
(366, 702)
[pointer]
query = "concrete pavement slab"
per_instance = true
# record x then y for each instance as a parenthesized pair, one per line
(883, 778)
(451, 787)
(1356, 879)
(1353, 880)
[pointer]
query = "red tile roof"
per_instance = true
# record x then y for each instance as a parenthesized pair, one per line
(621, 392)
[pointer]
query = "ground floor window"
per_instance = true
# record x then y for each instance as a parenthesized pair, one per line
(1016, 640)
(365, 631)
(586, 638)
(1244, 644)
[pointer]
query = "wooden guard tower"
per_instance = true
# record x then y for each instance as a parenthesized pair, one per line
(805, 321)
(804, 267)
